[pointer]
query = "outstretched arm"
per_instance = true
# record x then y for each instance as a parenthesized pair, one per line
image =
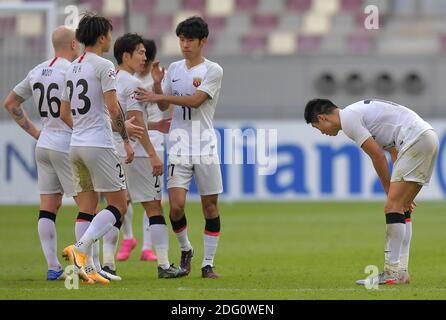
(13, 104)
(193, 101)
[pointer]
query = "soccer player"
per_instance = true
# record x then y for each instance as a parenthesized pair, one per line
(143, 174)
(44, 84)
(88, 102)
(157, 126)
(192, 86)
(375, 125)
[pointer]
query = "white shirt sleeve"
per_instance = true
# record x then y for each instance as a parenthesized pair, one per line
(212, 81)
(353, 126)
(166, 84)
(131, 102)
(107, 75)
(23, 89)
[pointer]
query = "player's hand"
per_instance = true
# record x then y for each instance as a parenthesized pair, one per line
(163, 126)
(129, 151)
(157, 72)
(144, 95)
(412, 206)
(37, 135)
(157, 165)
(135, 132)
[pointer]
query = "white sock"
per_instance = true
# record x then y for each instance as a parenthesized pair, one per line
(394, 236)
(127, 224)
(405, 248)
(97, 263)
(100, 225)
(183, 240)
(147, 238)
(160, 238)
(80, 228)
(90, 266)
(48, 240)
(210, 247)
(110, 241)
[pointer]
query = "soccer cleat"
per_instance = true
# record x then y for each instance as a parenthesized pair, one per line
(171, 272)
(126, 248)
(208, 272)
(76, 258)
(404, 277)
(186, 258)
(95, 276)
(53, 275)
(148, 255)
(109, 274)
(387, 277)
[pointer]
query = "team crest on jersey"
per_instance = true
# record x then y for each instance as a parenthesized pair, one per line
(112, 74)
(197, 82)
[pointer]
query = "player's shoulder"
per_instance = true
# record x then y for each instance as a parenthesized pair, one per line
(357, 106)
(42, 65)
(213, 67)
(127, 79)
(101, 61)
(176, 64)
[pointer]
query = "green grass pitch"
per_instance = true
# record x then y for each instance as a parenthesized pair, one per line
(299, 250)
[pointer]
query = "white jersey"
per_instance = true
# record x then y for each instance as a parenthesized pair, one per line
(191, 131)
(45, 84)
(85, 83)
(126, 85)
(154, 114)
(390, 124)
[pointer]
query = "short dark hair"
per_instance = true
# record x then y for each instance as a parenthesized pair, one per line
(193, 28)
(150, 46)
(318, 106)
(91, 27)
(126, 43)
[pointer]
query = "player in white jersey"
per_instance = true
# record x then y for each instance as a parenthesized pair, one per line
(143, 174)
(413, 145)
(89, 101)
(157, 126)
(193, 86)
(44, 84)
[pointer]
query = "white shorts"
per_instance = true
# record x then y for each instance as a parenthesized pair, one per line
(205, 169)
(96, 169)
(54, 172)
(142, 185)
(417, 162)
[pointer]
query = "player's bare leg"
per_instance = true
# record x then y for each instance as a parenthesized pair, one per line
(177, 200)
(211, 234)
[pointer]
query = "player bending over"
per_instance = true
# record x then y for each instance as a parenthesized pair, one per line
(375, 125)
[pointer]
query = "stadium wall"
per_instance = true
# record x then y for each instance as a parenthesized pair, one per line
(309, 166)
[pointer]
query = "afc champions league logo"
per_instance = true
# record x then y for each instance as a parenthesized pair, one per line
(197, 82)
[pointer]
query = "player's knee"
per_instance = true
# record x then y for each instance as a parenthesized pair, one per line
(210, 210)
(176, 210)
(393, 206)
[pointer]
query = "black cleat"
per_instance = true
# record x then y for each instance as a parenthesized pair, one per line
(208, 272)
(171, 272)
(186, 258)
(108, 270)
